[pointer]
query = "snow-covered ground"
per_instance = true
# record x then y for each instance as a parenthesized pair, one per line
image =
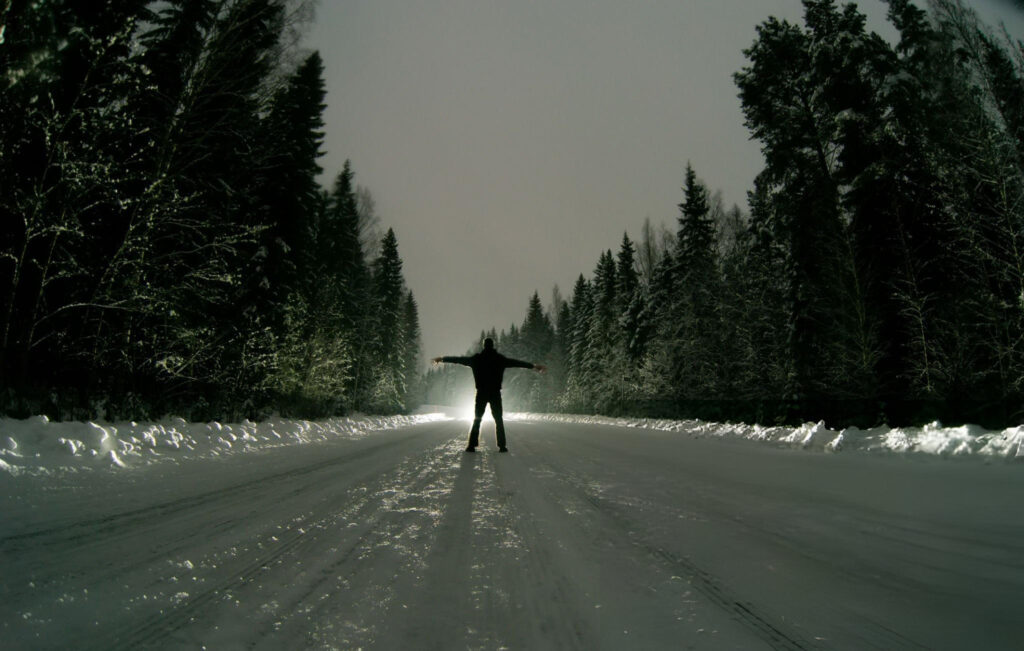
(38, 445)
(592, 533)
(932, 439)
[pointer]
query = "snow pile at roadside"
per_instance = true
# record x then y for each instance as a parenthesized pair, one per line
(37, 445)
(933, 438)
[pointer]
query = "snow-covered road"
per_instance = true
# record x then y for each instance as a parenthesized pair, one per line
(583, 537)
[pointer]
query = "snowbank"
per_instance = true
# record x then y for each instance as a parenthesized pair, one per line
(37, 445)
(932, 439)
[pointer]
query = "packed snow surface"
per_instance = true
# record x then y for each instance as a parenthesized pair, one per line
(369, 533)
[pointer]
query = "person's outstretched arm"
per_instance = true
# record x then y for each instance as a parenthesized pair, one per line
(451, 359)
(518, 363)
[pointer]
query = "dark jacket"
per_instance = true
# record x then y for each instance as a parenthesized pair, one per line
(488, 368)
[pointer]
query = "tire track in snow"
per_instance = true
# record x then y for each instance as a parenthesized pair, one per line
(430, 605)
(134, 548)
(347, 578)
(375, 527)
(775, 633)
(129, 521)
(489, 579)
(538, 600)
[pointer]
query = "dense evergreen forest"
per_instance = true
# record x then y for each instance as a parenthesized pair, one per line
(165, 246)
(878, 274)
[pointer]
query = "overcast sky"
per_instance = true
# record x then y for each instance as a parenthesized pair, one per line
(509, 142)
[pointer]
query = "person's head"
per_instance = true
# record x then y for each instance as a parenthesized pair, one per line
(488, 344)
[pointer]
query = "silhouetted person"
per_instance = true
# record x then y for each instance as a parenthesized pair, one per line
(488, 368)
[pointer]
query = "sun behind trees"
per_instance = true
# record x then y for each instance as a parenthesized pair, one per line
(164, 243)
(879, 274)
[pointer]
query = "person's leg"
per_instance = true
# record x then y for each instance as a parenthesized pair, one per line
(499, 423)
(478, 413)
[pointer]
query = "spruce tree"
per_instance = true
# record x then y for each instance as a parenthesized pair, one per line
(631, 295)
(389, 336)
(558, 361)
(412, 353)
(693, 329)
(342, 280)
(603, 335)
(537, 333)
(579, 389)
(536, 340)
(626, 277)
(291, 137)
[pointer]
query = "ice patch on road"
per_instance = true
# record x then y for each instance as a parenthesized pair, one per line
(38, 446)
(932, 439)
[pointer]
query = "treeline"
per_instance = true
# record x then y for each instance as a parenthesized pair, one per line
(879, 273)
(165, 246)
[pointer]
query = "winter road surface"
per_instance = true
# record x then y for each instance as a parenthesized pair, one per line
(583, 537)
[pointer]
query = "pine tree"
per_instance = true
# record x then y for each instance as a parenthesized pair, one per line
(536, 339)
(288, 140)
(626, 278)
(341, 279)
(755, 316)
(558, 360)
(537, 333)
(655, 328)
(807, 96)
(693, 328)
(389, 338)
(172, 49)
(603, 336)
(696, 235)
(163, 240)
(291, 135)
(632, 299)
(412, 354)
(579, 388)
(777, 93)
